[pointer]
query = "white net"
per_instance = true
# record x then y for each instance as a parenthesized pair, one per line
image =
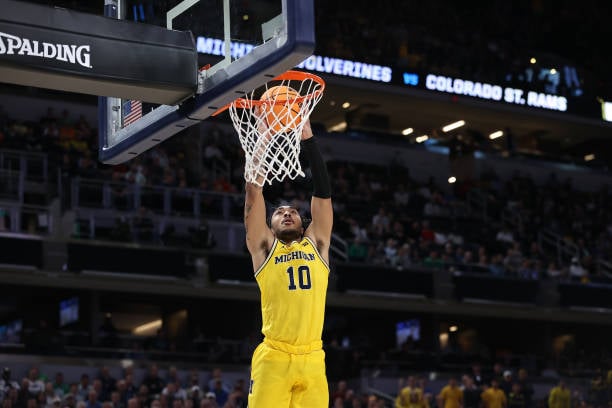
(270, 130)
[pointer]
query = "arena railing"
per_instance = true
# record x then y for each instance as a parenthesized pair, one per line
(176, 201)
(33, 165)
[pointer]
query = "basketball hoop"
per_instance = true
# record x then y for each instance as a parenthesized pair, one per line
(269, 122)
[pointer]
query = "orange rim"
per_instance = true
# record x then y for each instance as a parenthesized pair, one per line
(246, 103)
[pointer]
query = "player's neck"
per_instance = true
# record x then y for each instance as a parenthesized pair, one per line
(289, 242)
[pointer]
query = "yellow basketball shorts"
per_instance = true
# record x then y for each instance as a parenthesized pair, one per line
(280, 379)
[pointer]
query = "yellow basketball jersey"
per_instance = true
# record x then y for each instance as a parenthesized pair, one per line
(293, 285)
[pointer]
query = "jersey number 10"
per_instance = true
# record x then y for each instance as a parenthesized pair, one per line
(303, 273)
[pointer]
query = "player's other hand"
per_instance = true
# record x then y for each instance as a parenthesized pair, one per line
(262, 127)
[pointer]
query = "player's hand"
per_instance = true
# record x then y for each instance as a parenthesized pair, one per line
(307, 130)
(262, 127)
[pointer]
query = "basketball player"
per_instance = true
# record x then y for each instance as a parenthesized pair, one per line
(291, 269)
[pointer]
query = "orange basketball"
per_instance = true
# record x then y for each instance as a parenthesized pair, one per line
(280, 116)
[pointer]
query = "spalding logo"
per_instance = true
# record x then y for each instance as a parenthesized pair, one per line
(69, 53)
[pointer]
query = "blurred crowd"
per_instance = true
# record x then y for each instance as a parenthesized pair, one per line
(423, 224)
(39, 390)
(479, 387)
(411, 224)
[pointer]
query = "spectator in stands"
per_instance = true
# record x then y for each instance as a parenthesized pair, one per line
(357, 250)
(599, 392)
(477, 375)
(138, 403)
(154, 384)
(493, 396)
(23, 396)
(560, 396)
(506, 382)
(99, 389)
(483, 258)
(136, 174)
(380, 222)
(471, 392)
(427, 392)
(7, 384)
(526, 387)
(496, 266)
(577, 272)
(221, 394)
(73, 388)
(238, 396)
(40, 399)
(390, 250)
(340, 391)
(59, 386)
(144, 397)
(497, 373)
(109, 383)
(173, 392)
(194, 394)
(92, 400)
(70, 401)
(209, 401)
(215, 376)
(528, 271)
(405, 387)
(337, 402)
(401, 196)
(357, 230)
(404, 257)
(83, 388)
(450, 396)
(516, 398)
(427, 233)
(34, 383)
(130, 388)
(513, 259)
(433, 260)
(49, 394)
(415, 400)
(122, 392)
(193, 379)
(115, 399)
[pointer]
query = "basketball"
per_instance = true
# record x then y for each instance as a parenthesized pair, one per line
(279, 116)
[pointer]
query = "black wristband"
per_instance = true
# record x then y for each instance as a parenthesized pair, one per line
(320, 178)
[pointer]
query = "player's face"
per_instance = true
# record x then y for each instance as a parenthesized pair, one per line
(286, 223)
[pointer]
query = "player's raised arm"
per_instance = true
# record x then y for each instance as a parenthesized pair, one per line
(321, 210)
(259, 237)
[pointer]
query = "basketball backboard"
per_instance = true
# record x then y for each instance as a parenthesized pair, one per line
(241, 45)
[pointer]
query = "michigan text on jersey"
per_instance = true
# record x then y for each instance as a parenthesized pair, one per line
(293, 255)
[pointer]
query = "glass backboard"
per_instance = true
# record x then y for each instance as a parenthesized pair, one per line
(240, 46)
